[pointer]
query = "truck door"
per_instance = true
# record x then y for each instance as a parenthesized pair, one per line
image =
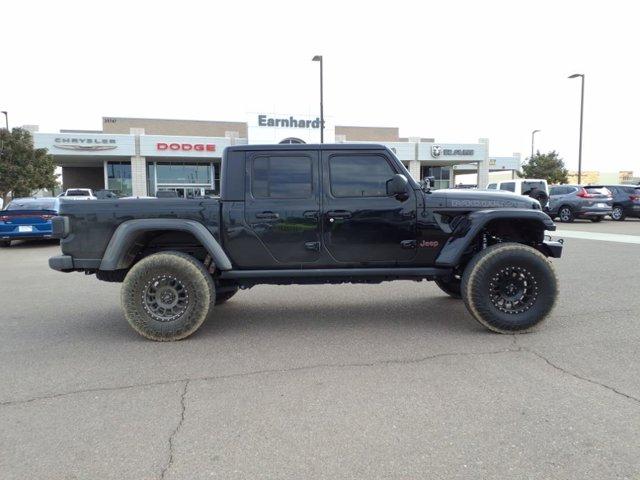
(360, 222)
(282, 204)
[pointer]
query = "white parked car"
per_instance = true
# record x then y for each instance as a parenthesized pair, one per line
(532, 187)
(78, 194)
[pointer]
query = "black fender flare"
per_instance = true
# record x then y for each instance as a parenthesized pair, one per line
(115, 256)
(469, 228)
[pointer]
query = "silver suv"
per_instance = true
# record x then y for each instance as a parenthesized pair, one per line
(569, 202)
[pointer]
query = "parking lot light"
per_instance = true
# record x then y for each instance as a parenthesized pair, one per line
(532, 139)
(581, 75)
(318, 58)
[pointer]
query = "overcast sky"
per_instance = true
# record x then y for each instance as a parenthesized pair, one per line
(454, 70)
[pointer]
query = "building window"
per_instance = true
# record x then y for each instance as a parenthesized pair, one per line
(119, 178)
(442, 176)
(183, 173)
(359, 175)
(189, 179)
(281, 177)
(151, 178)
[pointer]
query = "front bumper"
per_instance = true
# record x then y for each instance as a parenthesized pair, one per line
(552, 248)
(61, 263)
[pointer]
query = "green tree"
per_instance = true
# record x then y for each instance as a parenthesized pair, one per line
(546, 165)
(22, 167)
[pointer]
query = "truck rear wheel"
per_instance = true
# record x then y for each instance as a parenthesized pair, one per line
(509, 287)
(167, 296)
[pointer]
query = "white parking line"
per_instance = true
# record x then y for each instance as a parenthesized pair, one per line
(603, 237)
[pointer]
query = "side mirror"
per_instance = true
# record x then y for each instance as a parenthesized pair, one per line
(397, 185)
(428, 182)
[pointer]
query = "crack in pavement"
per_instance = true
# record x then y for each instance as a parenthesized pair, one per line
(580, 377)
(183, 407)
(401, 361)
(522, 348)
(406, 361)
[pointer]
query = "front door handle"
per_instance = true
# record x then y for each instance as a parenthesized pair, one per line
(339, 214)
(310, 214)
(267, 215)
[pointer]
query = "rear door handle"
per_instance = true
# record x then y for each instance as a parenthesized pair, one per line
(312, 246)
(267, 215)
(339, 214)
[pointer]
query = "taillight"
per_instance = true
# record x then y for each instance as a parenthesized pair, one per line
(46, 217)
(4, 218)
(633, 198)
(584, 194)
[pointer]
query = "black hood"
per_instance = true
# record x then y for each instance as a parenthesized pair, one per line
(481, 199)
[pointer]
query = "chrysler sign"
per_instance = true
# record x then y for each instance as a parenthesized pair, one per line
(87, 144)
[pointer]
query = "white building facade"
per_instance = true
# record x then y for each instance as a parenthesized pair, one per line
(141, 156)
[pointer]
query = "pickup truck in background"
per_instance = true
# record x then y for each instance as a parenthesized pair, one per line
(78, 194)
(312, 214)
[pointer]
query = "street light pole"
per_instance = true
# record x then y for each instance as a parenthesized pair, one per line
(581, 75)
(532, 140)
(318, 58)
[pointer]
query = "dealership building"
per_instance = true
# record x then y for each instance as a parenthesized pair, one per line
(137, 156)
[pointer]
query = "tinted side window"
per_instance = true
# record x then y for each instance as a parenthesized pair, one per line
(281, 177)
(557, 190)
(510, 186)
(359, 175)
(491, 186)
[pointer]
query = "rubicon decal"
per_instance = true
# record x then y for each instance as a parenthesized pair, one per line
(187, 147)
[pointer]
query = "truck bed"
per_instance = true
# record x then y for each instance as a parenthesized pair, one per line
(98, 220)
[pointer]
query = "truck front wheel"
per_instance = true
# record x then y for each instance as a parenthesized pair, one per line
(167, 296)
(509, 287)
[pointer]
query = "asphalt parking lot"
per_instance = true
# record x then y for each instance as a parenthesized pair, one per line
(383, 381)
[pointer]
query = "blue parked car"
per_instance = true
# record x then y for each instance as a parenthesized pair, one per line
(27, 218)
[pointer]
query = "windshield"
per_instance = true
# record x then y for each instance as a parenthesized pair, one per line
(528, 187)
(36, 204)
(77, 193)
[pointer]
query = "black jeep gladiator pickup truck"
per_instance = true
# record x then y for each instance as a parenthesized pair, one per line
(293, 214)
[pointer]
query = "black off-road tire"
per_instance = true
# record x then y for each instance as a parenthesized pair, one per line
(172, 277)
(451, 287)
(5, 243)
(222, 297)
(618, 214)
(566, 214)
(488, 279)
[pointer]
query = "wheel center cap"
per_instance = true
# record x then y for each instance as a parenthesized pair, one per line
(167, 297)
